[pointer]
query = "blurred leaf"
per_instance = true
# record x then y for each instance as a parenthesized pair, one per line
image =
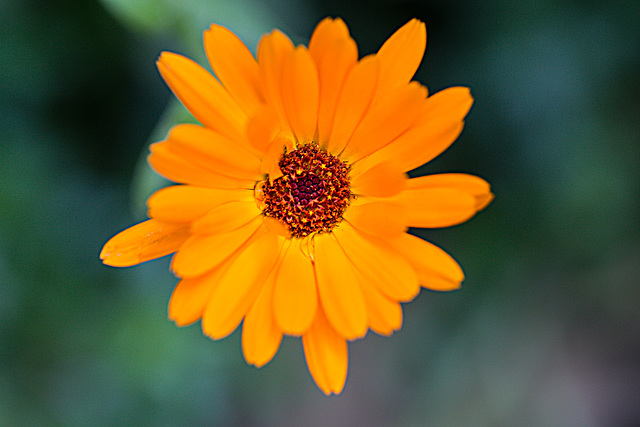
(145, 180)
(186, 20)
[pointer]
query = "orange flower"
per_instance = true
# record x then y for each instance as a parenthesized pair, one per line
(295, 207)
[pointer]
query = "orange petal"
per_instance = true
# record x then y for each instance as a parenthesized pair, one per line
(300, 92)
(338, 288)
(239, 286)
(270, 162)
(401, 54)
(327, 32)
(226, 217)
(214, 151)
(263, 128)
(436, 269)
(327, 355)
(261, 336)
(271, 51)
(174, 166)
(353, 102)
(386, 120)
(380, 217)
(334, 53)
(191, 296)
(203, 253)
(186, 203)
(382, 180)
(380, 265)
(235, 66)
(435, 130)
(143, 242)
(202, 94)
(436, 207)
(295, 298)
(385, 316)
(470, 184)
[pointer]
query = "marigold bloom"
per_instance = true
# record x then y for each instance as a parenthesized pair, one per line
(295, 204)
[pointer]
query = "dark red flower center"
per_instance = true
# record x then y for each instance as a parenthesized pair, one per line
(311, 195)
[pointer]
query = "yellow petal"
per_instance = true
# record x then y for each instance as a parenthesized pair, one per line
(202, 94)
(214, 151)
(438, 126)
(327, 355)
(436, 207)
(382, 180)
(239, 286)
(381, 217)
(470, 184)
(295, 298)
(334, 53)
(261, 336)
(272, 49)
(436, 269)
(226, 217)
(143, 242)
(385, 316)
(174, 166)
(401, 54)
(380, 265)
(299, 82)
(386, 120)
(338, 288)
(186, 203)
(191, 296)
(202, 253)
(353, 102)
(235, 66)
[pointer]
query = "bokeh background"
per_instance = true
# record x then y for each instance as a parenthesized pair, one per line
(545, 331)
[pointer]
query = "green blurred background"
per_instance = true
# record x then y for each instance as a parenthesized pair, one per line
(545, 331)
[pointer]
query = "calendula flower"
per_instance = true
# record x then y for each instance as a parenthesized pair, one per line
(295, 204)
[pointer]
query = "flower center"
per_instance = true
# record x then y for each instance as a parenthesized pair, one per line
(311, 195)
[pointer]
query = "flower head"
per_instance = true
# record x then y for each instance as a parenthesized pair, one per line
(294, 207)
